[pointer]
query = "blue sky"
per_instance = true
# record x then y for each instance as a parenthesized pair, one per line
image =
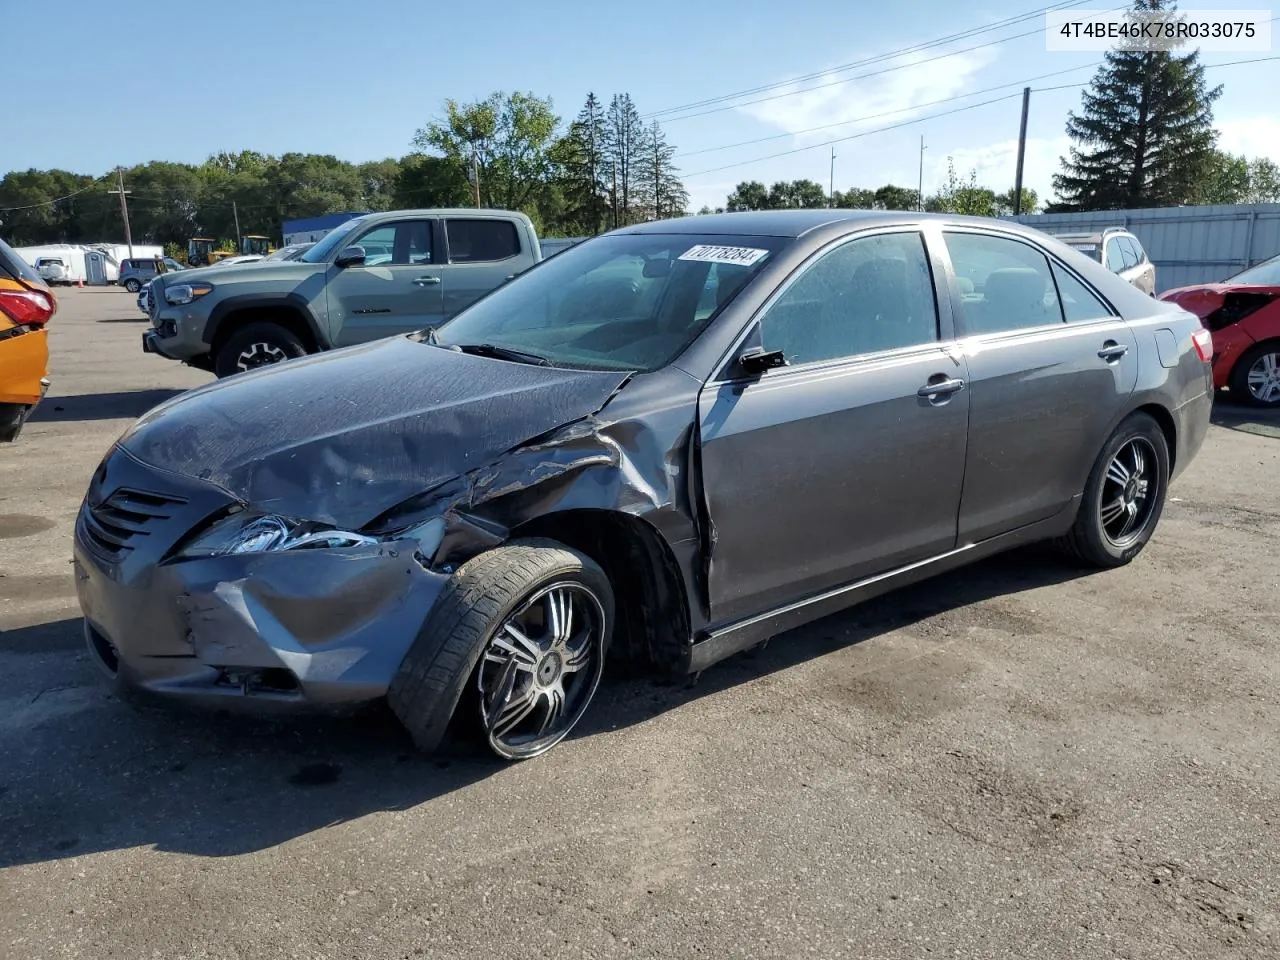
(129, 81)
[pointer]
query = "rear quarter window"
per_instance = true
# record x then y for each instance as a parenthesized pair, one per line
(481, 241)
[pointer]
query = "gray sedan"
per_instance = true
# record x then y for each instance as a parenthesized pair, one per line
(664, 445)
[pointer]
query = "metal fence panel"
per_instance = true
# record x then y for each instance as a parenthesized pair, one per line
(1188, 245)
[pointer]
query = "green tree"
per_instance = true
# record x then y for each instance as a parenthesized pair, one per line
(425, 181)
(624, 133)
(658, 186)
(509, 139)
(1264, 182)
(748, 195)
(796, 194)
(962, 196)
(1004, 202)
(580, 159)
(855, 198)
(890, 197)
(1144, 135)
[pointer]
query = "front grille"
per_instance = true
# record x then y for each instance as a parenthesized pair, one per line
(114, 526)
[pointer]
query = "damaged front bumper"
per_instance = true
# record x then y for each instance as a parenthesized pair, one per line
(316, 627)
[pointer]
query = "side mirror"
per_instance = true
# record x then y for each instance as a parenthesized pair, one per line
(350, 257)
(758, 360)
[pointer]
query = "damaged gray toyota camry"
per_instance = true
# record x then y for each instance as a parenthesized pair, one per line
(666, 444)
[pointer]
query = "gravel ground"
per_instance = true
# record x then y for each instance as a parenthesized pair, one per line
(1015, 760)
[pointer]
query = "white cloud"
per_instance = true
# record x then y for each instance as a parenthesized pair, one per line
(1252, 136)
(899, 93)
(996, 165)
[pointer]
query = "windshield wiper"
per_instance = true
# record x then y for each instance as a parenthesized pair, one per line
(501, 353)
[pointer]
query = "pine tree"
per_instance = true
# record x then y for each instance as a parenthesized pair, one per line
(1144, 136)
(658, 188)
(624, 137)
(581, 161)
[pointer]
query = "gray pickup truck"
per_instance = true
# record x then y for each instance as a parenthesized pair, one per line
(374, 276)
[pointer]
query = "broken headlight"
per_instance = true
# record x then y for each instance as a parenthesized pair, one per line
(244, 533)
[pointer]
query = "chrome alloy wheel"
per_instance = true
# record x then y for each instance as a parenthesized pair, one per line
(1263, 378)
(540, 670)
(1129, 492)
(259, 355)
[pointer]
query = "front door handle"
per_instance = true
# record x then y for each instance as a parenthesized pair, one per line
(940, 386)
(1112, 351)
(426, 281)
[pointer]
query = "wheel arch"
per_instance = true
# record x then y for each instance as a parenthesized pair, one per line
(288, 310)
(1162, 416)
(652, 620)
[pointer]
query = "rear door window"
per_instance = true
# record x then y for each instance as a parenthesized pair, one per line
(481, 241)
(1115, 255)
(1012, 287)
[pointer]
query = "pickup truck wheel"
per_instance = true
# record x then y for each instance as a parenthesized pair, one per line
(526, 626)
(1124, 496)
(256, 345)
(132, 285)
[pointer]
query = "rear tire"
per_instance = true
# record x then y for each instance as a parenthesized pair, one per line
(256, 345)
(1124, 496)
(132, 285)
(466, 642)
(1261, 364)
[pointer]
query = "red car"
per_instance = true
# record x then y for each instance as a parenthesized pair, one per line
(1243, 313)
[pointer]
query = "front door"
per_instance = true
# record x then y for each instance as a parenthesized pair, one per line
(844, 463)
(1050, 367)
(398, 288)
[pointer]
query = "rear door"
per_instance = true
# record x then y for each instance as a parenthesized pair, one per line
(842, 464)
(483, 254)
(1050, 366)
(398, 289)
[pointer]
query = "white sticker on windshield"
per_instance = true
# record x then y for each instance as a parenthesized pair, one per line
(708, 253)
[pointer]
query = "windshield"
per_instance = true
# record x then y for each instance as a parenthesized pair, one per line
(622, 302)
(331, 241)
(1265, 274)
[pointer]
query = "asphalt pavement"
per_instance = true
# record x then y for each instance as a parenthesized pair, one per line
(1019, 759)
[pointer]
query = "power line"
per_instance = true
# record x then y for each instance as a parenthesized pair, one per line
(878, 58)
(888, 113)
(49, 203)
(934, 116)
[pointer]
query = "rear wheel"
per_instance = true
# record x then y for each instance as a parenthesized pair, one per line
(132, 285)
(526, 627)
(1255, 379)
(1124, 496)
(256, 345)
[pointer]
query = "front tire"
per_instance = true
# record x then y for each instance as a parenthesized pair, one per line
(132, 285)
(527, 626)
(256, 345)
(1255, 379)
(1124, 496)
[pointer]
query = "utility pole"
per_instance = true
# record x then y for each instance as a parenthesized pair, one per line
(236, 213)
(831, 190)
(920, 184)
(475, 173)
(124, 208)
(1022, 151)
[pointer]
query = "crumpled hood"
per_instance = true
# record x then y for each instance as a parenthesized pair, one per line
(342, 437)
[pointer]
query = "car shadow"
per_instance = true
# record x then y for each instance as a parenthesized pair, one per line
(126, 404)
(1245, 418)
(85, 773)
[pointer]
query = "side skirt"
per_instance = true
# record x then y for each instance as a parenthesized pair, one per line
(744, 634)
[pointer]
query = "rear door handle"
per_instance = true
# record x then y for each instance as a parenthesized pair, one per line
(426, 281)
(940, 385)
(1112, 351)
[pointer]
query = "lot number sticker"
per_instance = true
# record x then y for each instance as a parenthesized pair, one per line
(707, 253)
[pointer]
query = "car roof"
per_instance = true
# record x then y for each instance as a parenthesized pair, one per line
(1091, 236)
(797, 223)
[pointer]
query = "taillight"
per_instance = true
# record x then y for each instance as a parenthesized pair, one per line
(1202, 340)
(26, 307)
